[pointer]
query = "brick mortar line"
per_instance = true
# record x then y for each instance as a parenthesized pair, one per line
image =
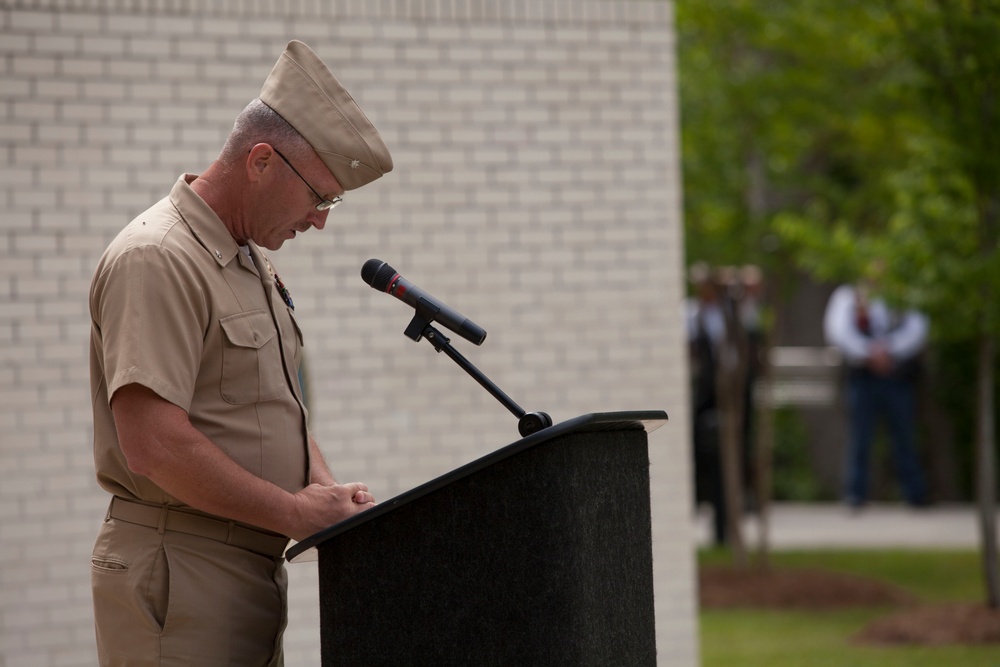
(614, 12)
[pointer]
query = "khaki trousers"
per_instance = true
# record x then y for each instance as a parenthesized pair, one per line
(169, 599)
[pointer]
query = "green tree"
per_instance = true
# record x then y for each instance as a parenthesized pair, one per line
(787, 109)
(940, 233)
(954, 44)
(783, 135)
(824, 135)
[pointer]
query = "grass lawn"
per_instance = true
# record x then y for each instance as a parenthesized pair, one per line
(768, 638)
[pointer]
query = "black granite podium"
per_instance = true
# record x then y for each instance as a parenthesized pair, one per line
(537, 554)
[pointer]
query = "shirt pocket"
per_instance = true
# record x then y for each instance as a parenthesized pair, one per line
(252, 370)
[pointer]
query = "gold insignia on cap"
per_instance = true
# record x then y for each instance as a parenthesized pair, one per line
(303, 90)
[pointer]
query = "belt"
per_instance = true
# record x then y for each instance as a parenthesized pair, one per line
(163, 517)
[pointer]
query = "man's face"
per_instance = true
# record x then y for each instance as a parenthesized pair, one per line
(291, 197)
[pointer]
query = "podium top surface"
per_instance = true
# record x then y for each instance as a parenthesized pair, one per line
(647, 420)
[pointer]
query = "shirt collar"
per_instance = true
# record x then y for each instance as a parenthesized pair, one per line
(206, 225)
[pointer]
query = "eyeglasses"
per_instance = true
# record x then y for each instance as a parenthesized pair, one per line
(324, 204)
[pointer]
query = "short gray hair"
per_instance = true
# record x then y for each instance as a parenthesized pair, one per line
(259, 123)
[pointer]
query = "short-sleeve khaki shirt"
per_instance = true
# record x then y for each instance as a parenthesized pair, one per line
(177, 307)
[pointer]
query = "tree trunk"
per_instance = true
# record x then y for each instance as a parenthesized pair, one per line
(986, 477)
(986, 471)
(730, 382)
(764, 459)
(730, 398)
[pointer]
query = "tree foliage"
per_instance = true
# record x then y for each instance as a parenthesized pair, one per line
(823, 135)
(826, 135)
(790, 115)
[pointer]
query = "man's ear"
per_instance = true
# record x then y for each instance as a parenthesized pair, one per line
(260, 158)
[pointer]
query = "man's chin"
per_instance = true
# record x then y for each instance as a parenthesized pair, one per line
(275, 242)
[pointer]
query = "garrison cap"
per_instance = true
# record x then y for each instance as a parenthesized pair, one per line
(303, 90)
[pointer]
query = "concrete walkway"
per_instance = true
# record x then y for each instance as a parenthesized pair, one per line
(824, 526)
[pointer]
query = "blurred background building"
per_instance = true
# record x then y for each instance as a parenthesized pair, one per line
(536, 189)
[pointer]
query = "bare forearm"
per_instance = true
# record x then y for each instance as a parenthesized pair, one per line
(160, 443)
(190, 467)
(319, 472)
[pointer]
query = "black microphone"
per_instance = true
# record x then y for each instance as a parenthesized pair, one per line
(384, 278)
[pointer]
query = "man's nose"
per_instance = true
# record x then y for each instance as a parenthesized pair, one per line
(318, 219)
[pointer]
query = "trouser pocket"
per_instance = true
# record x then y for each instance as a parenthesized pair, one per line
(130, 581)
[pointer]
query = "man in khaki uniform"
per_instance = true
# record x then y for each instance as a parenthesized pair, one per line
(200, 432)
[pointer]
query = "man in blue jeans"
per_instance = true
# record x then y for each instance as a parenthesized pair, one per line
(881, 348)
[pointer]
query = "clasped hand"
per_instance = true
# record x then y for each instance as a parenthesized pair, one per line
(320, 506)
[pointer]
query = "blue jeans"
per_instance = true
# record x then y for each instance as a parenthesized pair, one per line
(871, 397)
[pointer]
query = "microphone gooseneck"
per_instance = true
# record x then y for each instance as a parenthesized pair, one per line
(384, 278)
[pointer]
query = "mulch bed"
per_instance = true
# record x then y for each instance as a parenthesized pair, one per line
(912, 622)
(807, 589)
(935, 625)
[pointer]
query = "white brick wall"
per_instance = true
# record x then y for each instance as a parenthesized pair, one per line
(536, 189)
